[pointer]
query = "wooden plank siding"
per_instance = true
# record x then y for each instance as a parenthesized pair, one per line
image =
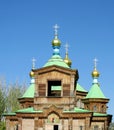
(42, 90)
(66, 89)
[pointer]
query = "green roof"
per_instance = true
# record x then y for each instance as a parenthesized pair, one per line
(9, 114)
(95, 92)
(99, 114)
(80, 110)
(56, 60)
(77, 110)
(29, 92)
(28, 110)
(54, 88)
(80, 88)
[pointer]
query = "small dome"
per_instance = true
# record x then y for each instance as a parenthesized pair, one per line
(95, 73)
(56, 42)
(31, 74)
(67, 61)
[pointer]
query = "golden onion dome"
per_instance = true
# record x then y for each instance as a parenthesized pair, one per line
(67, 60)
(95, 73)
(56, 42)
(31, 74)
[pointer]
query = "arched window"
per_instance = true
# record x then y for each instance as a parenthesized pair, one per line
(102, 108)
(87, 107)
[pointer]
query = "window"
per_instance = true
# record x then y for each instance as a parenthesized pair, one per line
(16, 127)
(81, 127)
(87, 107)
(96, 127)
(82, 105)
(95, 108)
(78, 103)
(102, 108)
(54, 88)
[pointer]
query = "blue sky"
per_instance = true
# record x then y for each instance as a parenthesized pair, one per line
(26, 31)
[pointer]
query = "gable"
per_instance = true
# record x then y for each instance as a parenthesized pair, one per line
(55, 68)
(55, 73)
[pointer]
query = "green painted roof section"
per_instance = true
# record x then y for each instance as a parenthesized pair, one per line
(77, 110)
(54, 88)
(56, 60)
(80, 88)
(30, 91)
(80, 110)
(99, 114)
(95, 92)
(28, 110)
(9, 114)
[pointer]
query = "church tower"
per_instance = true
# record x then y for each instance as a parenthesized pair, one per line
(95, 99)
(55, 82)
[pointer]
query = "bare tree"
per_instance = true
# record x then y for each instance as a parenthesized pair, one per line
(3, 93)
(111, 126)
(9, 95)
(14, 92)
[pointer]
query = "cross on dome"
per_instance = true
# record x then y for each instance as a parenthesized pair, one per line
(33, 63)
(95, 62)
(66, 47)
(95, 73)
(56, 27)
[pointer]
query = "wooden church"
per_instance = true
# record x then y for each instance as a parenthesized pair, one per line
(56, 101)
